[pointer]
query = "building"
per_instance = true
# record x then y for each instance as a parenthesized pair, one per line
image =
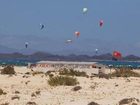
(89, 67)
(63, 64)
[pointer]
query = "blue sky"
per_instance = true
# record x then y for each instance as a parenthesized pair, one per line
(20, 22)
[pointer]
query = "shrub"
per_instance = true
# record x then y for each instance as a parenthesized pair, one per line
(125, 72)
(60, 80)
(15, 97)
(48, 72)
(94, 86)
(8, 70)
(71, 72)
(37, 73)
(36, 93)
(76, 88)
(51, 75)
(17, 92)
(5, 103)
(103, 75)
(28, 73)
(2, 92)
(128, 101)
(33, 95)
(93, 103)
(31, 103)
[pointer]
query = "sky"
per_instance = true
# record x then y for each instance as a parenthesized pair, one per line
(20, 22)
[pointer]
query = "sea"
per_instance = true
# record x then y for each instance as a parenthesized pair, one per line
(134, 64)
(16, 62)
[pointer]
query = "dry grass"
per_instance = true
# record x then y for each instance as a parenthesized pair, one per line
(34, 94)
(76, 88)
(129, 101)
(71, 72)
(37, 73)
(31, 103)
(15, 97)
(5, 103)
(28, 73)
(125, 72)
(51, 75)
(48, 72)
(93, 103)
(8, 70)
(2, 92)
(103, 75)
(38, 92)
(62, 80)
(17, 92)
(94, 86)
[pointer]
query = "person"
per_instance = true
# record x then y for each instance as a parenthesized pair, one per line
(101, 73)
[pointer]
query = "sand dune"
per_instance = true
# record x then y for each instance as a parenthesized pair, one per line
(23, 88)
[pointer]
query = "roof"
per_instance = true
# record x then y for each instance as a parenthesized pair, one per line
(65, 62)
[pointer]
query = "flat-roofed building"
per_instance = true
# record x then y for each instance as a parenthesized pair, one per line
(60, 64)
(57, 65)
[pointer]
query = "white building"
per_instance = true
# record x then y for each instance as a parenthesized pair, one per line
(57, 65)
(63, 64)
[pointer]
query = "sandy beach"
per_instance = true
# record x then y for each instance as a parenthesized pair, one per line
(26, 89)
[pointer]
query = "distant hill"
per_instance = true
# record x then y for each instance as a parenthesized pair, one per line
(47, 56)
(4, 49)
(131, 57)
(107, 56)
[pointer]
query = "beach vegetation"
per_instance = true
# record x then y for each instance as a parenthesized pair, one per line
(2, 92)
(103, 75)
(31, 103)
(48, 72)
(93, 103)
(51, 75)
(72, 72)
(37, 73)
(33, 95)
(17, 92)
(8, 70)
(15, 97)
(28, 73)
(76, 88)
(125, 72)
(94, 86)
(62, 80)
(36, 93)
(5, 103)
(128, 101)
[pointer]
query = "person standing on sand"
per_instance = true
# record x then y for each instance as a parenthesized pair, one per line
(101, 73)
